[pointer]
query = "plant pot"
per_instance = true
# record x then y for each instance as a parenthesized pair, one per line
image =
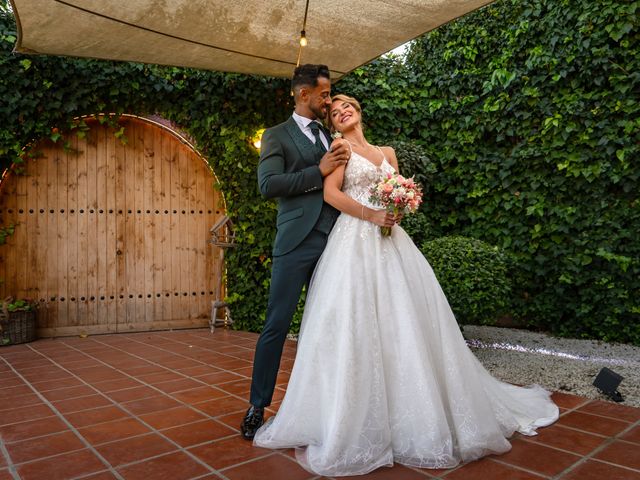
(17, 327)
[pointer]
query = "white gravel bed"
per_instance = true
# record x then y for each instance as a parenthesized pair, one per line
(557, 364)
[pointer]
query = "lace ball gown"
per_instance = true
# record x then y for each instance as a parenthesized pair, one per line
(382, 373)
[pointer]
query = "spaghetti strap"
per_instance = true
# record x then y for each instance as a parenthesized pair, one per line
(349, 144)
(384, 157)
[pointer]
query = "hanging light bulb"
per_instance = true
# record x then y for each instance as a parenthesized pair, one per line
(303, 34)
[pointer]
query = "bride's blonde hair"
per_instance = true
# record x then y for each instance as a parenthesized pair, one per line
(344, 98)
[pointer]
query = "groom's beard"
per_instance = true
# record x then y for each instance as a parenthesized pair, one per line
(320, 113)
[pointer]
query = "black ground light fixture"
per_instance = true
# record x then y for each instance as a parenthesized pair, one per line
(607, 382)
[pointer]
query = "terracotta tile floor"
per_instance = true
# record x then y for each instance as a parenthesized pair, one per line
(167, 405)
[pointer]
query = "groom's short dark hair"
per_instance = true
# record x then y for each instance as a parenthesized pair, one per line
(307, 76)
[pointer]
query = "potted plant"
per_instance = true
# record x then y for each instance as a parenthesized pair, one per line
(17, 321)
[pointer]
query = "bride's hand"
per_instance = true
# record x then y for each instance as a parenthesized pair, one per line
(381, 218)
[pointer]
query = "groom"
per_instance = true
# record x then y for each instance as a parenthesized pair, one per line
(294, 159)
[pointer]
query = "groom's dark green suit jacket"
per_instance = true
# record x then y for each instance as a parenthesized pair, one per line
(289, 171)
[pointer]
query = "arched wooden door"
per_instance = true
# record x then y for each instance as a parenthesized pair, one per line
(112, 237)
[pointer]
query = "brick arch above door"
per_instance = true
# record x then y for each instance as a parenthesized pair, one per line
(113, 237)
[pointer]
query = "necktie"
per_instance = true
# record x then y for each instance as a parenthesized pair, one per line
(315, 129)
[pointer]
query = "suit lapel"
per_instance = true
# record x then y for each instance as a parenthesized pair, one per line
(302, 142)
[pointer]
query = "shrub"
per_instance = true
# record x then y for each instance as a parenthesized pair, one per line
(419, 227)
(473, 275)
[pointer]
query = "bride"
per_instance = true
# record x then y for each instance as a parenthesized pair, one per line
(382, 373)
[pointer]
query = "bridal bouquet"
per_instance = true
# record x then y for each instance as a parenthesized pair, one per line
(396, 194)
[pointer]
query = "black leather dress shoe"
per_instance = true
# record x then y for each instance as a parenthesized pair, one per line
(253, 420)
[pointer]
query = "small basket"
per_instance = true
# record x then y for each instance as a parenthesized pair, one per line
(17, 327)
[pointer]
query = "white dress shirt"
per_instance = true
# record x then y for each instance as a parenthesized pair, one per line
(303, 123)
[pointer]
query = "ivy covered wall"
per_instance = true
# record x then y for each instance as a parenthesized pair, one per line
(41, 95)
(529, 112)
(525, 120)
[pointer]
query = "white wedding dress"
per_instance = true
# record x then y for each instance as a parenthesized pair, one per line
(382, 373)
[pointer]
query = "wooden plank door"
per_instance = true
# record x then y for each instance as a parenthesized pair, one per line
(112, 237)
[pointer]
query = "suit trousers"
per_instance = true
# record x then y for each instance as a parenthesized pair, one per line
(289, 273)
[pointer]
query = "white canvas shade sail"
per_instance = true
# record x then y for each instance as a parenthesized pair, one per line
(244, 36)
